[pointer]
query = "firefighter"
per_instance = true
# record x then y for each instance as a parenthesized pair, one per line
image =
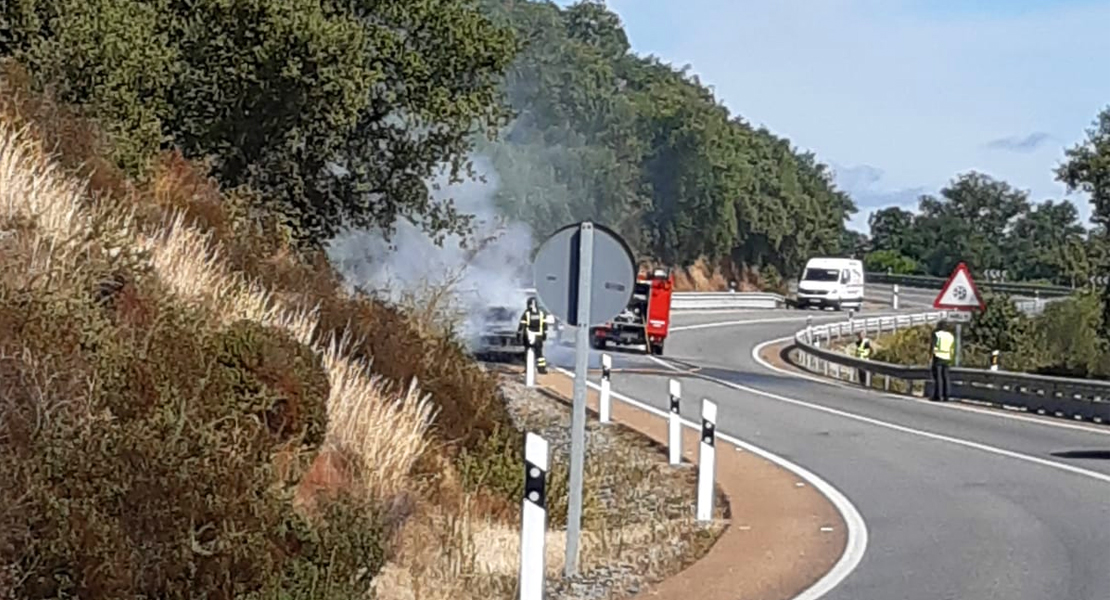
(533, 329)
(863, 352)
(943, 344)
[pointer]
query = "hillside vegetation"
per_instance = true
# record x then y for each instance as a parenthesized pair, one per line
(1063, 341)
(602, 133)
(193, 402)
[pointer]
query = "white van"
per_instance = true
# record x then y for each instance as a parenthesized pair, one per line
(835, 282)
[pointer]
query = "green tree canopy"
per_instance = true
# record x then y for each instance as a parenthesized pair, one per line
(335, 111)
(602, 133)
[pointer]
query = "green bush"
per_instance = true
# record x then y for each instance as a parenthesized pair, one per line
(138, 456)
(1068, 341)
(497, 465)
(905, 347)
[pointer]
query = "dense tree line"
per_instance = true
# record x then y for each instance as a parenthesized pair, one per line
(602, 133)
(989, 225)
(338, 112)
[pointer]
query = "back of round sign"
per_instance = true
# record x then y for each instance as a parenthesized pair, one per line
(612, 274)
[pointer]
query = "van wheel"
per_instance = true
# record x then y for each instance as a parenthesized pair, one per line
(837, 306)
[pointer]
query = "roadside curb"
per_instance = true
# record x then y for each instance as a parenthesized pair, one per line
(781, 535)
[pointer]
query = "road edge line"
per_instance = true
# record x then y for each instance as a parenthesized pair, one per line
(855, 546)
(987, 411)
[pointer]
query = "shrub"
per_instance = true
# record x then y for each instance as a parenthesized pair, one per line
(1067, 336)
(149, 470)
(497, 465)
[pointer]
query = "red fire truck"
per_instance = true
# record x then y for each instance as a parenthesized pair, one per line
(645, 320)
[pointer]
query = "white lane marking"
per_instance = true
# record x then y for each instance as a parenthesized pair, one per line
(990, 412)
(894, 426)
(856, 544)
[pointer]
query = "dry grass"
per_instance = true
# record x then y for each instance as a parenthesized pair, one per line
(643, 531)
(463, 548)
(385, 430)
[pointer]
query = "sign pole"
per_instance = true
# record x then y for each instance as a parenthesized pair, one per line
(584, 266)
(959, 328)
(584, 274)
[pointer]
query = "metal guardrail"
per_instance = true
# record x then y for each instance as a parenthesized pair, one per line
(725, 300)
(1056, 396)
(1004, 287)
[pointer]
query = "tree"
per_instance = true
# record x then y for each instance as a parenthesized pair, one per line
(1046, 242)
(1087, 168)
(969, 222)
(889, 227)
(632, 142)
(337, 112)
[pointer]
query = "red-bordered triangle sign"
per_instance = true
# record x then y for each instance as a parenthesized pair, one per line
(959, 292)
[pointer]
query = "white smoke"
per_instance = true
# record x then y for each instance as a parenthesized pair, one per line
(411, 264)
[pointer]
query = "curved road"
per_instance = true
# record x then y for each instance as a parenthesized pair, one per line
(959, 502)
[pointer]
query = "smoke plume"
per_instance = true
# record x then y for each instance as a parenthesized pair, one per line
(488, 268)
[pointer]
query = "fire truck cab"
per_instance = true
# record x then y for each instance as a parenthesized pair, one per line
(646, 318)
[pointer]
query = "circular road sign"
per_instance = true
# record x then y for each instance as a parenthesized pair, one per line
(612, 273)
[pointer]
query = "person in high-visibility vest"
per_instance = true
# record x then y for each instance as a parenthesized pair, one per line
(944, 344)
(863, 352)
(533, 328)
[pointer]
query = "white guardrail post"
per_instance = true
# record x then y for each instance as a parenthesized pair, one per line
(707, 460)
(533, 526)
(603, 405)
(674, 424)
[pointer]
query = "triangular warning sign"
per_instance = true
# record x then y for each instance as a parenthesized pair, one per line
(959, 292)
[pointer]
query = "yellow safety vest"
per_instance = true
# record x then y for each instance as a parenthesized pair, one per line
(863, 349)
(534, 321)
(942, 345)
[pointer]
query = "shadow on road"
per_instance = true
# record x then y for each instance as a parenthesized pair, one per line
(1088, 454)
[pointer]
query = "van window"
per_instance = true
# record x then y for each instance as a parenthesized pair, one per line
(844, 277)
(821, 275)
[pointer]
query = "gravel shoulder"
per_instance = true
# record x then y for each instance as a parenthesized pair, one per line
(777, 535)
(640, 526)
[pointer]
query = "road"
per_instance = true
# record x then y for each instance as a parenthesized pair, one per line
(958, 502)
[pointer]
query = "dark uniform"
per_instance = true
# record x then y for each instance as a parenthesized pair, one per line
(534, 320)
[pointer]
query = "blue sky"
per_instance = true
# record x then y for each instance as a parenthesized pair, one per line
(898, 96)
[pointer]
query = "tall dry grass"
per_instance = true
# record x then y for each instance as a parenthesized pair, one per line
(386, 429)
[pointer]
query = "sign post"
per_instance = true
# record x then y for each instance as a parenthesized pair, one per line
(584, 274)
(959, 294)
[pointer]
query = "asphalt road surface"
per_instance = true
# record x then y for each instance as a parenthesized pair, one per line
(959, 502)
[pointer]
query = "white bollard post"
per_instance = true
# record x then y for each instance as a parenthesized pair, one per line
(994, 360)
(603, 402)
(530, 368)
(707, 460)
(674, 425)
(894, 299)
(533, 527)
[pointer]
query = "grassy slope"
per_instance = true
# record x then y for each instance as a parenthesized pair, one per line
(186, 282)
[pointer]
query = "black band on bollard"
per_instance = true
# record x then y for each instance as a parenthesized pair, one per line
(707, 435)
(535, 485)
